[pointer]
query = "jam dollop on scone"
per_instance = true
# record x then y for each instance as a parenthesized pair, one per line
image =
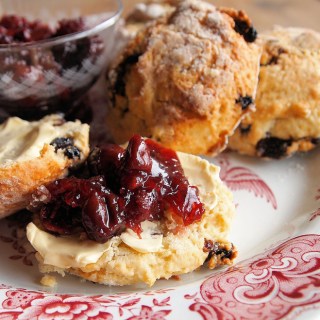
(287, 117)
(186, 79)
(135, 215)
(33, 153)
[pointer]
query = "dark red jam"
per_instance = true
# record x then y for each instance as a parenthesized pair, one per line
(128, 187)
(15, 29)
(35, 81)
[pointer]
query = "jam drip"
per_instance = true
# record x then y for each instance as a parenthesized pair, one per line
(128, 187)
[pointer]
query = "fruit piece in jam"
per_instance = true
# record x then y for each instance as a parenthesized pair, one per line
(128, 187)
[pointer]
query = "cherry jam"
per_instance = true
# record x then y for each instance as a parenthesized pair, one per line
(127, 187)
(35, 81)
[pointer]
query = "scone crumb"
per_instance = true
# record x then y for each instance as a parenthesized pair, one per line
(176, 277)
(219, 260)
(48, 281)
(219, 253)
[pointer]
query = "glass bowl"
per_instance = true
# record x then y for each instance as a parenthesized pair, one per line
(53, 75)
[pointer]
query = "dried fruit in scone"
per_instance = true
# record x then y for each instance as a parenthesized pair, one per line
(187, 79)
(143, 214)
(35, 153)
(287, 117)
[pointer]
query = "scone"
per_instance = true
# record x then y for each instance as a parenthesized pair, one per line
(186, 79)
(159, 220)
(36, 153)
(287, 117)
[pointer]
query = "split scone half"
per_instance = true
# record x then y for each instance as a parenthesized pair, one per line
(287, 117)
(186, 79)
(35, 153)
(158, 245)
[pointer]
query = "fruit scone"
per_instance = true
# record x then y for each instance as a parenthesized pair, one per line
(287, 117)
(35, 153)
(139, 214)
(186, 79)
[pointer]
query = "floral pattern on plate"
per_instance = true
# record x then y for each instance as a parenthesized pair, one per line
(272, 285)
(268, 286)
(277, 280)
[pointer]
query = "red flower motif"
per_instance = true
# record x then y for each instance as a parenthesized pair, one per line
(315, 214)
(269, 286)
(20, 298)
(241, 178)
(164, 302)
(11, 315)
(260, 265)
(146, 313)
(64, 308)
(4, 286)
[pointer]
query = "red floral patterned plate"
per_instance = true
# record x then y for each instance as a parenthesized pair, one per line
(277, 274)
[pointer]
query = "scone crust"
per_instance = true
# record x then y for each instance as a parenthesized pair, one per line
(288, 97)
(182, 252)
(19, 179)
(181, 78)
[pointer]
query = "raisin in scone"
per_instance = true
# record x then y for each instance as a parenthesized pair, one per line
(149, 214)
(187, 79)
(287, 117)
(36, 153)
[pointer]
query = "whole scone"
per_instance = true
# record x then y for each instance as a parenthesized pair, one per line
(186, 79)
(35, 153)
(182, 249)
(287, 117)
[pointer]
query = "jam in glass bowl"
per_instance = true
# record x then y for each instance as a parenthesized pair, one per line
(52, 52)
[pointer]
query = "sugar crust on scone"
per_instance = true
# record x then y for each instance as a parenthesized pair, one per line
(182, 251)
(287, 117)
(181, 80)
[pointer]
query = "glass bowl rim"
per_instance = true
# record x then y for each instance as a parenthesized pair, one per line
(69, 37)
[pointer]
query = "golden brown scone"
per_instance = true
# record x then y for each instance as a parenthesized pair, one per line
(184, 248)
(28, 160)
(287, 119)
(187, 79)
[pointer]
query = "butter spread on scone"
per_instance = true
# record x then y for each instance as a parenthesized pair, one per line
(35, 153)
(162, 248)
(149, 240)
(287, 117)
(65, 252)
(22, 140)
(186, 79)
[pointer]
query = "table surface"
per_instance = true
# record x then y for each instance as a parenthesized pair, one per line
(266, 13)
